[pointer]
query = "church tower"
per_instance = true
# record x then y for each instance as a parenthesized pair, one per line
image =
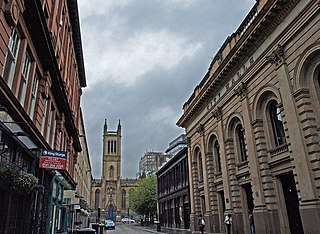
(111, 172)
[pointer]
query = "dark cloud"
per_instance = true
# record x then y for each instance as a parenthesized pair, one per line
(130, 79)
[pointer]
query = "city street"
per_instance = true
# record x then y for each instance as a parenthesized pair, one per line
(128, 229)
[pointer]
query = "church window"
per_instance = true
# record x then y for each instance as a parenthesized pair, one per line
(97, 199)
(111, 172)
(111, 150)
(108, 147)
(277, 124)
(123, 199)
(115, 147)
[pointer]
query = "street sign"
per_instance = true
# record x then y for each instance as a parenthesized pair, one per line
(52, 159)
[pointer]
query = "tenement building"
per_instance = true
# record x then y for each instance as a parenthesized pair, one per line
(41, 79)
(253, 124)
(110, 194)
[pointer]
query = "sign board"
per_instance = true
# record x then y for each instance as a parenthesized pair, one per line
(52, 159)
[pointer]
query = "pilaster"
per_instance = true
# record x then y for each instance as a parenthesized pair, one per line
(260, 211)
(309, 202)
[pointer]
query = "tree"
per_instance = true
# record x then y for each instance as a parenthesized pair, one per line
(143, 199)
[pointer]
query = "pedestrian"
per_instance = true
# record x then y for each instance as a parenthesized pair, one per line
(202, 224)
(251, 223)
(228, 222)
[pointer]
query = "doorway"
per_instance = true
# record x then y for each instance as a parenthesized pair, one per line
(292, 203)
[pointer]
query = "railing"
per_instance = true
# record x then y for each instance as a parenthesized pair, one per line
(278, 150)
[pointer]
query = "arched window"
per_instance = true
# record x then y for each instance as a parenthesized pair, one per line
(115, 147)
(123, 199)
(217, 156)
(277, 124)
(111, 172)
(108, 147)
(97, 199)
(200, 168)
(111, 143)
(241, 143)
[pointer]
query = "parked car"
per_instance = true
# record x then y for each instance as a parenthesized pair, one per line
(127, 220)
(110, 224)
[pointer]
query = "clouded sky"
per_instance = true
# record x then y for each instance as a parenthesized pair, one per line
(143, 59)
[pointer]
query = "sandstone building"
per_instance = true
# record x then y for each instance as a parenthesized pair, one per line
(253, 125)
(110, 194)
(41, 79)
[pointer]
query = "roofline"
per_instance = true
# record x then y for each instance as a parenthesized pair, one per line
(76, 36)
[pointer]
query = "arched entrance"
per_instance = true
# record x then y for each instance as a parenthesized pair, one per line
(292, 203)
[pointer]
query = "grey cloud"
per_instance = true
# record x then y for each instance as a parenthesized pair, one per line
(159, 89)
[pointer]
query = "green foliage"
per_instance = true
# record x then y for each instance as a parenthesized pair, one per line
(143, 200)
(11, 179)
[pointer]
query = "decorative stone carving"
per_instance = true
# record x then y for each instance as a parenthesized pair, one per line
(217, 112)
(241, 91)
(277, 56)
(200, 129)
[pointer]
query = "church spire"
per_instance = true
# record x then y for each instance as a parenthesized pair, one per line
(119, 127)
(105, 128)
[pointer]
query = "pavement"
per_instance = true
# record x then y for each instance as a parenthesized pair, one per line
(153, 229)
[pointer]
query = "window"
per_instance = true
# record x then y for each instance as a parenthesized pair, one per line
(11, 57)
(241, 143)
(115, 147)
(34, 95)
(108, 147)
(44, 115)
(97, 199)
(217, 156)
(123, 199)
(50, 122)
(277, 124)
(200, 169)
(111, 172)
(24, 78)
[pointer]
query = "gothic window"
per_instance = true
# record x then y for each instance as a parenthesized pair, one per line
(111, 172)
(114, 147)
(111, 145)
(97, 199)
(277, 124)
(123, 199)
(108, 147)
(241, 143)
(217, 156)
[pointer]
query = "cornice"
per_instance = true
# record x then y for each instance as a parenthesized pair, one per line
(265, 22)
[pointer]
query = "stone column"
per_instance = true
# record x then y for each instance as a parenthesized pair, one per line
(217, 113)
(207, 215)
(309, 202)
(193, 218)
(260, 212)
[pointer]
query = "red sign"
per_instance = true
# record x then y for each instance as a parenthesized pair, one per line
(51, 159)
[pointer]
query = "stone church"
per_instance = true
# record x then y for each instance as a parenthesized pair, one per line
(110, 194)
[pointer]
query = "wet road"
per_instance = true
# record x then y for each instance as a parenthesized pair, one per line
(127, 229)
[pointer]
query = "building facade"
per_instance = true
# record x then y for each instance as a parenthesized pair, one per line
(177, 145)
(83, 177)
(151, 162)
(253, 123)
(110, 194)
(42, 74)
(173, 192)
